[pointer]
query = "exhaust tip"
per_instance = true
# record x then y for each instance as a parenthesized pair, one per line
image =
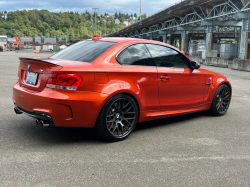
(17, 111)
(42, 123)
(38, 122)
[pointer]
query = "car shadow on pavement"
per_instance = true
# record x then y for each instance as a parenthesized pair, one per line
(169, 121)
(55, 135)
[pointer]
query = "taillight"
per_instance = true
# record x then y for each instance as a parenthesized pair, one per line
(64, 81)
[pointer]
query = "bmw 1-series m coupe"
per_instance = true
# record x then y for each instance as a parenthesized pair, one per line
(111, 84)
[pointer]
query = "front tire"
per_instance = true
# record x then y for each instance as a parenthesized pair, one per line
(221, 101)
(118, 118)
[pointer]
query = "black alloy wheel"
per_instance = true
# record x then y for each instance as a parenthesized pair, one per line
(118, 118)
(221, 101)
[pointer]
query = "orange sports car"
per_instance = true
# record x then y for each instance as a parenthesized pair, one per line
(111, 84)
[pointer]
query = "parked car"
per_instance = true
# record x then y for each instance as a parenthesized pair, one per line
(111, 84)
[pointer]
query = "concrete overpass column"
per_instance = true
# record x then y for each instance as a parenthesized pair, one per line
(209, 39)
(184, 42)
(244, 38)
(164, 38)
(170, 39)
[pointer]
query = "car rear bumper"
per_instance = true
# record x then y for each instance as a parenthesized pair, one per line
(66, 108)
(41, 116)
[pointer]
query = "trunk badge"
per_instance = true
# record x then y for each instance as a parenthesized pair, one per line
(28, 67)
(41, 70)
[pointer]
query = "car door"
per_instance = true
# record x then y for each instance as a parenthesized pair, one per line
(139, 69)
(180, 86)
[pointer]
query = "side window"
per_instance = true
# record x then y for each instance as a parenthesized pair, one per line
(167, 57)
(137, 55)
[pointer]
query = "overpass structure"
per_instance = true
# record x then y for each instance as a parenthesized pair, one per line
(187, 19)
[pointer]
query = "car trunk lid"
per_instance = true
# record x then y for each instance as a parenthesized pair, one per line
(41, 68)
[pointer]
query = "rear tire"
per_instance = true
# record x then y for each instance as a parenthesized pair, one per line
(117, 118)
(221, 101)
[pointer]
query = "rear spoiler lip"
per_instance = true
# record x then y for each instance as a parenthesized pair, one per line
(21, 58)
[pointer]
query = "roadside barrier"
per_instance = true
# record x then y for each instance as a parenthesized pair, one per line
(216, 61)
(242, 65)
(196, 59)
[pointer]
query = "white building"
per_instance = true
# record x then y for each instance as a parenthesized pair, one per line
(117, 21)
(126, 23)
(4, 16)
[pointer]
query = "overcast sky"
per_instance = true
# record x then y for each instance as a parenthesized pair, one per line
(110, 6)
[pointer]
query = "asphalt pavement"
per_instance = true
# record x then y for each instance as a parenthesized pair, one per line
(190, 150)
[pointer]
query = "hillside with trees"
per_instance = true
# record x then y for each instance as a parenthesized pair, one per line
(42, 23)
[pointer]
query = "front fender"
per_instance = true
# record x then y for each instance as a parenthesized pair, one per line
(217, 81)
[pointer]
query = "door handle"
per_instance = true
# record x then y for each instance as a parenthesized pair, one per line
(165, 78)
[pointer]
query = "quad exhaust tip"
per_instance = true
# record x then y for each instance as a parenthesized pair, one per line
(42, 123)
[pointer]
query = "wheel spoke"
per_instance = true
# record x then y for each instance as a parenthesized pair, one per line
(112, 120)
(129, 118)
(125, 128)
(130, 112)
(220, 109)
(122, 129)
(128, 122)
(128, 109)
(217, 106)
(226, 93)
(126, 105)
(225, 103)
(225, 96)
(114, 128)
(110, 115)
(111, 126)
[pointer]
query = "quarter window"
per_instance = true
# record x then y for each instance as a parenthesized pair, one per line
(136, 55)
(167, 57)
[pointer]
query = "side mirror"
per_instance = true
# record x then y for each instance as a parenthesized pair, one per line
(195, 65)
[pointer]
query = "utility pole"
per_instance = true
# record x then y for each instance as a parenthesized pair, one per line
(105, 27)
(95, 19)
(140, 12)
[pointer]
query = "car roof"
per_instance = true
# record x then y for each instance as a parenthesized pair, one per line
(132, 40)
(120, 39)
(135, 40)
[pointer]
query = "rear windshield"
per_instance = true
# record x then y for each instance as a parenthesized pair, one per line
(85, 51)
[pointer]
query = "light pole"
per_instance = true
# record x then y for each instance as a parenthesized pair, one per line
(140, 12)
(98, 25)
(95, 19)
